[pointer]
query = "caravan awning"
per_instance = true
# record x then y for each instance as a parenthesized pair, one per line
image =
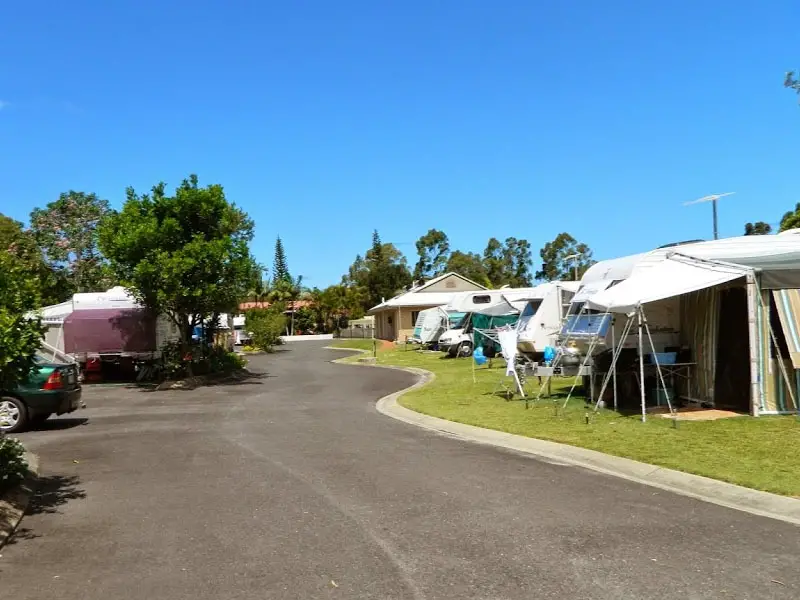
(587, 290)
(669, 278)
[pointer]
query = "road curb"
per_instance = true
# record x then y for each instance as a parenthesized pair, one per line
(729, 495)
(16, 501)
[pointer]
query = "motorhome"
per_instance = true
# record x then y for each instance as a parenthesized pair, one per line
(483, 309)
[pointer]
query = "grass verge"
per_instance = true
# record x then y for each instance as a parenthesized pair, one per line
(757, 453)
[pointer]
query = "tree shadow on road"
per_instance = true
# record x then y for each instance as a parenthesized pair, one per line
(50, 495)
(53, 492)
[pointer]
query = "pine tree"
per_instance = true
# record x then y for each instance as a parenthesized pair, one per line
(280, 271)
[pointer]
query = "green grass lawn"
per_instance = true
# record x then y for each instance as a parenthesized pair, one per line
(762, 453)
(355, 344)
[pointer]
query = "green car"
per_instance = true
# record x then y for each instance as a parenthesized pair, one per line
(53, 388)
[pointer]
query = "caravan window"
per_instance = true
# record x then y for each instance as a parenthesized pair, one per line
(483, 299)
(575, 308)
(531, 307)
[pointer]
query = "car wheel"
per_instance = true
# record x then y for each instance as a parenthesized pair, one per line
(13, 414)
(465, 349)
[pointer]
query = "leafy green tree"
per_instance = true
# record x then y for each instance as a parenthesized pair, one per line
(280, 269)
(494, 262)
(757, 228)
(508, 263)
(185, 255)
(433, 250)
(20, 332)
(791, 219)
(382, 273)
(517, 262)
(53, 282)
(555, 262)
(469, 265)
(67, 233)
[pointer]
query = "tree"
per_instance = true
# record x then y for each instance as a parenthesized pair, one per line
(66, 232)
(54, 284)
(556, 266)
(508, 263)
(433, 250)
(517, 262)
(469, 265)
(280, 269)
(791, 82)
(186, 255)
(757, 228)
(791, 219)
(382, 273)
(493, 262)
(20, 333)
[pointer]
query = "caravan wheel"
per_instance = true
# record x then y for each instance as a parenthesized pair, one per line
(465, 349)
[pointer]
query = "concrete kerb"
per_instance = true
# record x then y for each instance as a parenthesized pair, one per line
(702, 488)
(14, 504)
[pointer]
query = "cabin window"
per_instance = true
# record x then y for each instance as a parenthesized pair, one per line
(483, 299)
(414, 316)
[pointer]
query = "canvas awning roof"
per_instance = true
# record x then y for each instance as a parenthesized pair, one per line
(667, 278)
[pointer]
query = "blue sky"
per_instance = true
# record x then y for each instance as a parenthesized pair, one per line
(325, 119)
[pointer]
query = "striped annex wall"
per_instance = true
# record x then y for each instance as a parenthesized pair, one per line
(788, 305)
(782, 397)
(776, 399)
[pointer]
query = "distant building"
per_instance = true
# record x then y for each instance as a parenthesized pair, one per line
(395, 318)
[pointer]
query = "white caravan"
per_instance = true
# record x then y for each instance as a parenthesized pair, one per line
(542, 313)
(432, 323)
(494, 303)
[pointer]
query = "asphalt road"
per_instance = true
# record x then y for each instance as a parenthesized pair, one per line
(293, 486)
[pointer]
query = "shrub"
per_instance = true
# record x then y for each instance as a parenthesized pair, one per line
(221, 360)
(12, 462)
(265, 327)
(205, 361)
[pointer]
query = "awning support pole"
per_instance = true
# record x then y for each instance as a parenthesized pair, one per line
(755, 384)
(561, 344)
(614, 368)
(658, 366)
(585, 362)
(641, 364)
(625, 331)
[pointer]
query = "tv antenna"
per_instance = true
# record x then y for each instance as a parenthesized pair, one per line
(713, 199)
